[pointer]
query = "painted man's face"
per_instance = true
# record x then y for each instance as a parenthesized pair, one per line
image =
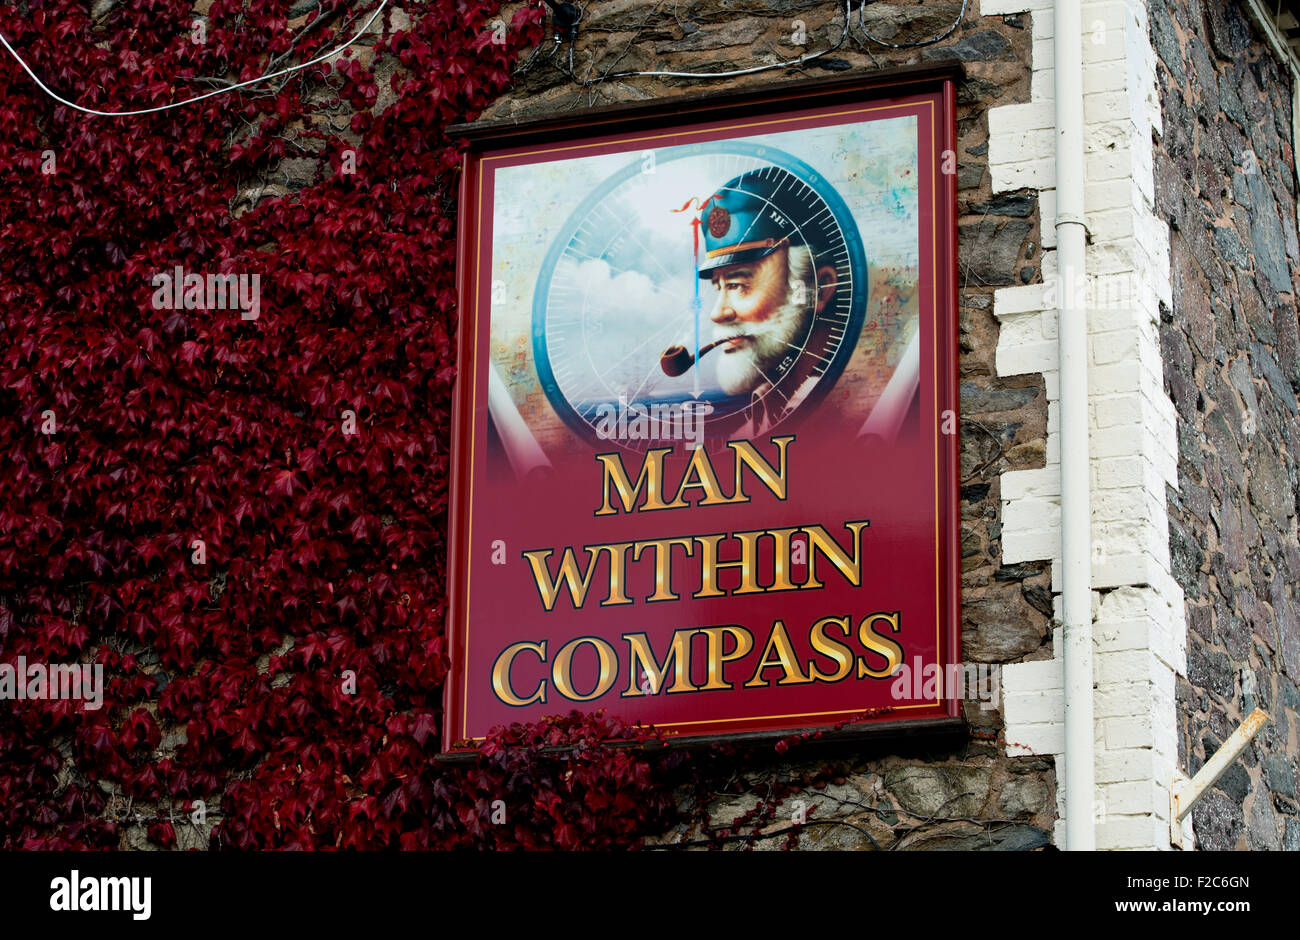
(763, 309)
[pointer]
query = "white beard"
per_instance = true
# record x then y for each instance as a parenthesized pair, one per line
(743, 370)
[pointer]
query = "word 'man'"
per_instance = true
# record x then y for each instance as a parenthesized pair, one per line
(699, 474)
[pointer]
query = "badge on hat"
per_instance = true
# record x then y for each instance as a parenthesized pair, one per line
(744, 220)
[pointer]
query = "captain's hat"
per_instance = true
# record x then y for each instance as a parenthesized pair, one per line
(744, 221)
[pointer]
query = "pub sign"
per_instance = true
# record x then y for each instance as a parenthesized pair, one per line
(705, 447)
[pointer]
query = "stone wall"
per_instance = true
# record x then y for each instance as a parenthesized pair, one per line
(1226, 184)
(973, 795)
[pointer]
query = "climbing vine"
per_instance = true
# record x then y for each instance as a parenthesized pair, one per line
(238, 510)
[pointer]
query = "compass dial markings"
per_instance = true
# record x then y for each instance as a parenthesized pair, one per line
(580, 308)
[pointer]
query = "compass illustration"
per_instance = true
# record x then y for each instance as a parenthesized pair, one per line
(724, 280)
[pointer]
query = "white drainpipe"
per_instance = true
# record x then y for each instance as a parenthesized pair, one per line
(1076, 515)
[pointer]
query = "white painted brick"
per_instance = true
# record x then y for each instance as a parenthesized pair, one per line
(1027, 174)
(1111, 12)
(1129, 732)
(1118, 472)
(1042, 85)
(1018, 118)
(1031, 484)
(1103, 79)
(1116, 379)
(1115, 410)
(1123, 666)
(1050, 270)
(1031, 708)
(1117, 570)
(1049, 318)
(1115, 504)
(1110, 225)
(1114, 766)
(1026, 358)
(1018, 330)
(1108, 163)
(1103, 46)
(1053, 455)
(1027, 298)
(1108, 194)
(1115, 442)
(1029, 145)
(1045, 22)
(1110, 137)
(1039, 676)
(1126, 603)
(1105, 106)
(1121, 699)
(1043, 50)
(1118, 538)
(1118, 635)
(1029, 545)
(1131, 832)
(1139, 634)
(1047, 217)
(1131, 797)
(1036, 739)
(1113, 318)
(1113, 258)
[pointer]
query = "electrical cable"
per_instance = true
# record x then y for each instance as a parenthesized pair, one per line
(758, 68)
(862, 12)
(211, 94)
(790, 63)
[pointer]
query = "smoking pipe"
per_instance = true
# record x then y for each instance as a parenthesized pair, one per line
(677, 359)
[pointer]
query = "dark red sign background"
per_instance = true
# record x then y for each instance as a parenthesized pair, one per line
(908, 492)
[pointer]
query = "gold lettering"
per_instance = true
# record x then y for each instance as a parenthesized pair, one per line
(781, 560)
(702, 471)
(751, 458)
(710, 565)
(578, 584)
(562, 670)
(663, 564)
(501, 674)
(643, 661)
(820, 540)
(651, 476)
(837, 651)
(617, 566)
(718, 659)
(785, 658)
(880, 644)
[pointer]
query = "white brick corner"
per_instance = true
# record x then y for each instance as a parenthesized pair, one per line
(1140, 630)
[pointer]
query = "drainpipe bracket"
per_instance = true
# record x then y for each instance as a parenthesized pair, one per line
(1181, 834)
(1072, 218)
(1183, 793)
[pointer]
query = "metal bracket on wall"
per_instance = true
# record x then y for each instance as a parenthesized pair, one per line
(1184, 793)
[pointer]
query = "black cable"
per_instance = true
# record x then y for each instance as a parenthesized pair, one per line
(862, 10)
(587, 82)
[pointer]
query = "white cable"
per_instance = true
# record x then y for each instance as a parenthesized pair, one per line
(219, 91)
